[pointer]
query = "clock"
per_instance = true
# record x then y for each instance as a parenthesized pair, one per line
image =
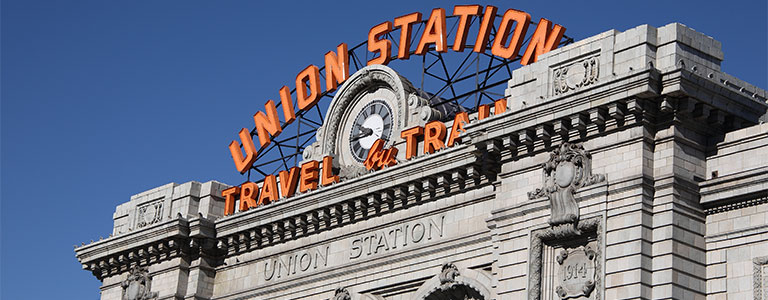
(372, 114)
(374, 103)
(373, 122)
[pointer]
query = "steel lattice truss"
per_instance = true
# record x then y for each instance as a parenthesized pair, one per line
(467, 79)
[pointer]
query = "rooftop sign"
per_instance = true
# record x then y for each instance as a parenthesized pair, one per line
(509, 36)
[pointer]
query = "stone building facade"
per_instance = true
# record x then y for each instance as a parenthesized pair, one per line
(626, 165)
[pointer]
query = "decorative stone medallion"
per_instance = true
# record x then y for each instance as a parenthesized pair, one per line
(138, 285)
(576, 272)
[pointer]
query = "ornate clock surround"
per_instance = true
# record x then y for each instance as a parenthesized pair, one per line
(407, 107)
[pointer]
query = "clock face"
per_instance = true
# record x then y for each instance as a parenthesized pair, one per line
(373, 122)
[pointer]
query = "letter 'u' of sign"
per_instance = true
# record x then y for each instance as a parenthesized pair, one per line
(510, 29)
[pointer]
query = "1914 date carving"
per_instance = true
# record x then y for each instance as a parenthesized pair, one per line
(576, 276)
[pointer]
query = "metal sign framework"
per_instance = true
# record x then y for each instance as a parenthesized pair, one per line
(452, 79)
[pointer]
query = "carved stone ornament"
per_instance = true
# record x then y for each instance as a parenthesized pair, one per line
(569, 167)
(342, 294)
(149, 214)
(450, 283)
(760, 276)
(576, 272)
(584, 262)
(138, 285)
(575, 76)
(352, 171)
(448, 275)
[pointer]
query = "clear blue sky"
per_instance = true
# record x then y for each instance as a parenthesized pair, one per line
(105, 99)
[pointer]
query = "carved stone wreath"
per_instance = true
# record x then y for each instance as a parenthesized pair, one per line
(138, 285)
(569, 167)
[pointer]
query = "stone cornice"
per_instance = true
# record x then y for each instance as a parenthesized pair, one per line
(715, 90)
(169, 228)
(719, 194)
(688, 94)
(641, 84)
(410, 183)
(149, 245)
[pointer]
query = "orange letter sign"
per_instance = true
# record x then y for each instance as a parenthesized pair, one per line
(483, 111)
(229, 199)
(249, 191)
(405, 23)
(381, 46)
(378, 157)
(243, 163)
(308, 78)
(411, 140)
(328, 176)
(457, 128)
(434, 134)
(267, 125)
(485, 29)
(268, 190)
(309, 176)
(288, 182)
(287, 103)
(464, 12)
(336, 67)
(544, 39)
(510, 52)
(499, 106)
(434, 33)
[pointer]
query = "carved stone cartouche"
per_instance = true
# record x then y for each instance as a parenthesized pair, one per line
(138, 285)
(569, 167)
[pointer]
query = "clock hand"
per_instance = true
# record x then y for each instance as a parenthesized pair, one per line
(365, 131)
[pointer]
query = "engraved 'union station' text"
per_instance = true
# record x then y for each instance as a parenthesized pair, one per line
(397, 236)
(297, 262)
